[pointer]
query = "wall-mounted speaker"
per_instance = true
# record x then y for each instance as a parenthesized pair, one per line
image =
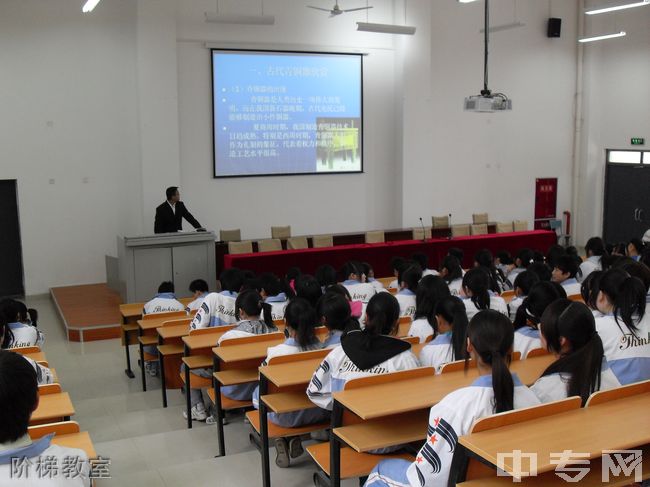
(554, 27)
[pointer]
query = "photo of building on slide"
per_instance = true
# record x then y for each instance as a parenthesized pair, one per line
(338, 144)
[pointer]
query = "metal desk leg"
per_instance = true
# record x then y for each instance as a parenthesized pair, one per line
(129, 373)
(188, 397)
(142, 371)
(218, 408)
(264, 432)
(161, 364)
(335, 446)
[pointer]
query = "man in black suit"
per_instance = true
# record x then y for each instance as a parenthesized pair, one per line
(169, 215)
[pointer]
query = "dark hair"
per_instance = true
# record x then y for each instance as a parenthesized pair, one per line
(366, 268)
(410, 275)
(33, 315)
(568, 265)
(301, 317)
(171, 191)
(293, 273)
(382, 314)
(492, 336)
(396, 263)
(5, 332)
(532, 307)
(326, 275)
(542, 270)
(271, 284)
(485, 260)
(619, 248)
(458, 253)
(639, 270)
(431, 290)
(595, 246)
(645, 257)
(571, 250)
(18, 395)
(335, 309)
(538, 256)
(339, 289)
(22, 311)
(421, 259)
(554, 252)
(232, 280)
(477, 281)
(575, 322)
(253, 305)
(348, 269)
(166, 287)
(627, 294)
(524, 258)
(590, 288)
(453, 311)
(454, 270)
(198, 285)
(525, 281)
(504, 257)
(307, 287)
(638, 245)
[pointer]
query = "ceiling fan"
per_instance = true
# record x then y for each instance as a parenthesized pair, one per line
(337, 10)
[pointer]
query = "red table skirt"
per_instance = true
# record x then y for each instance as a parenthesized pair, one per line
(379, 255)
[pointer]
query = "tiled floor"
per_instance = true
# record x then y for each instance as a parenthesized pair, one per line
(149, 445)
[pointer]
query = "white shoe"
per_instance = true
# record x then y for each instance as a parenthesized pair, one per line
(198, 413)
(212, 419)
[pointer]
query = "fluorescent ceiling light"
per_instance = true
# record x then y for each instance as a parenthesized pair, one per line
(386, 28)
(511, 25)
(604, 10)
(239, 19)
(89, 6)
(600, 38)
(466, 1)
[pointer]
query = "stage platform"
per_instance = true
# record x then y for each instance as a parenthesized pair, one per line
(89, 311)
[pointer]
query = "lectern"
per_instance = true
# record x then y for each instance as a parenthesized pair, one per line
(146, 261)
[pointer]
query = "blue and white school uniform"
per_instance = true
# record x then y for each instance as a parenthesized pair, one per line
(196, 304)
(512, 275)
(360, 291)
(376, 284)
(430, 272)
(497, 303)
(296, 418)
(333, 339)
(588, 266)
(437, 352)
(571, 286)
(455, 286)
(25, 336)
(337, 369)
(526, 339)
(33, 451)
(555, 387)
(513, 306)
(451, 418)
(278, 305)
(217, 309)
(406, 299)
(628, 353)
(162, 303)
(393, 284)
(43, 374)
(421, 328)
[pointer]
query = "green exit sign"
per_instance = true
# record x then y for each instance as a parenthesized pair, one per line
(637, 141)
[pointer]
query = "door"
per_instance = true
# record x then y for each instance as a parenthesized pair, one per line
(627, 198)
(11, 254)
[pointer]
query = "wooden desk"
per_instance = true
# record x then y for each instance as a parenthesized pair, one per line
(79, 440)
(130, 312)
(52, 408)
(617, 425)
(37, 357)
(169, 337)
(166, 333)
(290, 374)
(248, 351)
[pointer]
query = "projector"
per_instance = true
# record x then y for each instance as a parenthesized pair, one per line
(482, 103)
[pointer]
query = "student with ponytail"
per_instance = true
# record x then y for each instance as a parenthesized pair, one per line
(589, 290)
(524, 282)
(431, 289)
(452, 273)
(568, 331)
(409, 276)
(489, 344)
(272, 293)
(529, 315)
(485, 260)
(595, 250)
(624, 331)
(334, 312)
(363, 353)
(450, 342)
(476, 293)
(353, 276)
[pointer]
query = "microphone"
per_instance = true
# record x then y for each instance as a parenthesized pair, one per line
(424, 232)
(450, 234)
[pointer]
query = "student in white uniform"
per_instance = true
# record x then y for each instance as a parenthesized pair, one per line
(199, 290)
(249, 306)
(595, 250)
(396, 264)
(272, 292)
(307, 287)
(43, 374)
(450, 342)
(564, 273)
(19, 334)
(408, 278)
(522, 261)
(431, 289)
(352, 280)
(504, 262)
(624, 331)
(589, 290)
(326, 276)
(477, 295)
(641, 271)
(422, 260)
(484, 260)
(363, 353)
(334, 312)
(164, 301)
(489, 344)
(568, 331)
(452, 273)
(218, 309)
(370, 276)
(524, 282)
(19, 398)
(635, 248)
(300, 320)
(529, 314)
